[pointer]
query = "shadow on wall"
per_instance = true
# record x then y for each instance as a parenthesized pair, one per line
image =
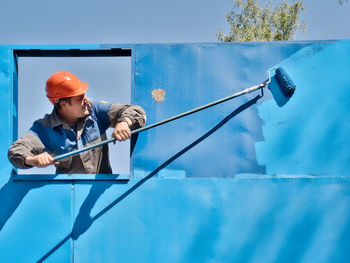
(12, 194)
(84, 220)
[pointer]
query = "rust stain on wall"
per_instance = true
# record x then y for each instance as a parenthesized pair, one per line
(158, 94)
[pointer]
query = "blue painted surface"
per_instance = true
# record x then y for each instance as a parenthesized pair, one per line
(193, 75)
(310, 134)
(33, 217)
(215, 220)
(6, 129)
(274, 180)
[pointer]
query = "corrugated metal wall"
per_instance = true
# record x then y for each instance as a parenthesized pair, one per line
(245, 181)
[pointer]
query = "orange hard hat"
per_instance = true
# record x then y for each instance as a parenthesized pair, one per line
(62, 85)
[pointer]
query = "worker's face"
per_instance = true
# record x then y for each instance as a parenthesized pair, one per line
(78, 106)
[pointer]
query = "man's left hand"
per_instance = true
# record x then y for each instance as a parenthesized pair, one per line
(122, 131)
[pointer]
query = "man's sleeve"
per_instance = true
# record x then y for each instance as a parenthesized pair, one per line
(28, 145)
(136, 114)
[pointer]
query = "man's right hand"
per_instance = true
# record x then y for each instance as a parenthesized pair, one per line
(41, 160)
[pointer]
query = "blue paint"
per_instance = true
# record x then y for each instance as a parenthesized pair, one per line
(33, 216)
(171, 174)
(218, 141)
(6, 107)
(309, 135)
(284, 189)
(219, 220)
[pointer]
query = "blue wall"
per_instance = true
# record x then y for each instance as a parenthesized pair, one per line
(309, 135)
(250, 180)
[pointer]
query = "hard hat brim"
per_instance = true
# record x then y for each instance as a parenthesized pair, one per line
(83, 88)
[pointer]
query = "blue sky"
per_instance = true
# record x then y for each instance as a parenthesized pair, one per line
(138, 21)
(118, 22)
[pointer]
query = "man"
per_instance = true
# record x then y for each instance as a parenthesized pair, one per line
(75, 122)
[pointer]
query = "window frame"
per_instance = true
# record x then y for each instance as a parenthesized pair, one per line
(76, 52)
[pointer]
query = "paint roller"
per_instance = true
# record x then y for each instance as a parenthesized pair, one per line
(284, 82)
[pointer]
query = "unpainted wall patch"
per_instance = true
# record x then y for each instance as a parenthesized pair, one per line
(158, 95)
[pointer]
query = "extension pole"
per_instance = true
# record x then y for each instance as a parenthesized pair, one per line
(246, 91)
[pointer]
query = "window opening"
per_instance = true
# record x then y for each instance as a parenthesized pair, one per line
(109, 80)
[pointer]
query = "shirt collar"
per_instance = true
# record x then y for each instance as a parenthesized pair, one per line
(55, 119)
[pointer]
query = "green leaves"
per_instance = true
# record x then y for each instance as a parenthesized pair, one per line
(251, 22)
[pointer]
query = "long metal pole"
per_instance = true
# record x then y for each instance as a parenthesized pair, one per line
(248, 90)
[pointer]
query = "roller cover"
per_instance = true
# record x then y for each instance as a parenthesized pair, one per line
(285, 82)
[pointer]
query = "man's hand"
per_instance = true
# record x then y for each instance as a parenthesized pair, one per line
(122, 131)
(41, 160)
